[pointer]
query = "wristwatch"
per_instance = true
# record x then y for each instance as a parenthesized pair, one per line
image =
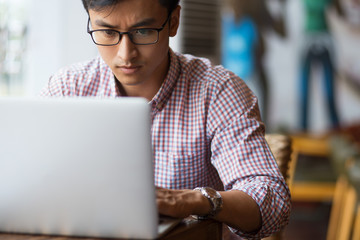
(214, 198)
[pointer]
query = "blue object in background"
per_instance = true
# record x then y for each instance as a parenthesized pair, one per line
(238, 45)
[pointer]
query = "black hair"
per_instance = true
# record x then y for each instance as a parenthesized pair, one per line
(98, 5)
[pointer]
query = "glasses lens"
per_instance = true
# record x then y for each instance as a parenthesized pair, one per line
(144, 36)
(106, 37)
(137, 36)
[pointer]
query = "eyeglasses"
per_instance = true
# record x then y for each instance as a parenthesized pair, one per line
(140, 36)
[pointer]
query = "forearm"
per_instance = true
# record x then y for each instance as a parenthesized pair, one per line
(240, 211)
(268, 211)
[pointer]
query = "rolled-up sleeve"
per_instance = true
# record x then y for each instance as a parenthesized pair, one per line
(243, 159)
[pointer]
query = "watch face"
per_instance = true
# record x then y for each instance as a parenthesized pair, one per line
(215, 198)
(212, 193)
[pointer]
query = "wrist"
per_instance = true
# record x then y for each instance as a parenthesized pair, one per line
(214, 202)
(202, 206)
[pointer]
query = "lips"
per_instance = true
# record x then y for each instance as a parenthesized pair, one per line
(128, 70)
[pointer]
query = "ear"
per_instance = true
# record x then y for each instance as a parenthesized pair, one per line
(174, 21)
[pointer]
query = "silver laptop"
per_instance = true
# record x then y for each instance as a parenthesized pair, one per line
(77, 167)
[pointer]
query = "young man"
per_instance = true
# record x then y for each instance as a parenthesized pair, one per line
(206, 127)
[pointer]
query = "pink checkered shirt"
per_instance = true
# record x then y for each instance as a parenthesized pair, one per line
(206, 131)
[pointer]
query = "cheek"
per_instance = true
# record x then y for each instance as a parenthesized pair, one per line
(160, 50)
(155, 56)
(107, 54)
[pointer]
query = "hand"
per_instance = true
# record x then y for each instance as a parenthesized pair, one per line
(181, 203)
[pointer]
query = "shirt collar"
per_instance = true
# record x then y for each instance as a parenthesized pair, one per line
(164, 93)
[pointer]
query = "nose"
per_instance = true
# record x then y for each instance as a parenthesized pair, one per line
(126, 51)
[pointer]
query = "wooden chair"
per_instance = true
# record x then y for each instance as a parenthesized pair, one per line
(353, 174)
(345, 211)
(281, 148)
(356, 226)
(310, 191)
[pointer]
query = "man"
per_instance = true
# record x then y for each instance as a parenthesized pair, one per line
(318, 49)
(206, 128)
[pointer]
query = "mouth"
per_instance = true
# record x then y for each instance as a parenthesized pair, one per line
(129, 69)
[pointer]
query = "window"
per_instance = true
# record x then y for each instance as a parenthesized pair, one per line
(201, 28)
(13, 36)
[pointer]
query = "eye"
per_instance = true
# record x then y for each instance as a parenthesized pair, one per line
(109, 33)
(142, 32)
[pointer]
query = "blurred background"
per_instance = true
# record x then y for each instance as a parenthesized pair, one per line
(301, 58)
(40, 36)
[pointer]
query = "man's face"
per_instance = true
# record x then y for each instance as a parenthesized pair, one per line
(137, 67)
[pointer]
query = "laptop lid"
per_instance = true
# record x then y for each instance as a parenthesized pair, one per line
(80, 167)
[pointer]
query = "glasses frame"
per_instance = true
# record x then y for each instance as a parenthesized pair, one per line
(127, 33)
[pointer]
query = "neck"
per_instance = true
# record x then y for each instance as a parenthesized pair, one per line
(137, 91)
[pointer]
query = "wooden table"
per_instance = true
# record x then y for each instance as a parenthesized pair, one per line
(188, 229)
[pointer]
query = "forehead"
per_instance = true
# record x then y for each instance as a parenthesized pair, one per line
(130, 10)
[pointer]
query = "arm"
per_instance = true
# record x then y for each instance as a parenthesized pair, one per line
(182, 203)
(238, 203)
(256, 200)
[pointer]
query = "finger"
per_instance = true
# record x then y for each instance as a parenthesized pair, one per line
(166, 194)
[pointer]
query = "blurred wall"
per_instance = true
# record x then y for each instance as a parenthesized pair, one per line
(283, 67)
(57, 37)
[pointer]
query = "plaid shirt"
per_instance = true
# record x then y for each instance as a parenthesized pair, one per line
(206, 131)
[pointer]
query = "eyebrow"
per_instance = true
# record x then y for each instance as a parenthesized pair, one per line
(145, 22)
